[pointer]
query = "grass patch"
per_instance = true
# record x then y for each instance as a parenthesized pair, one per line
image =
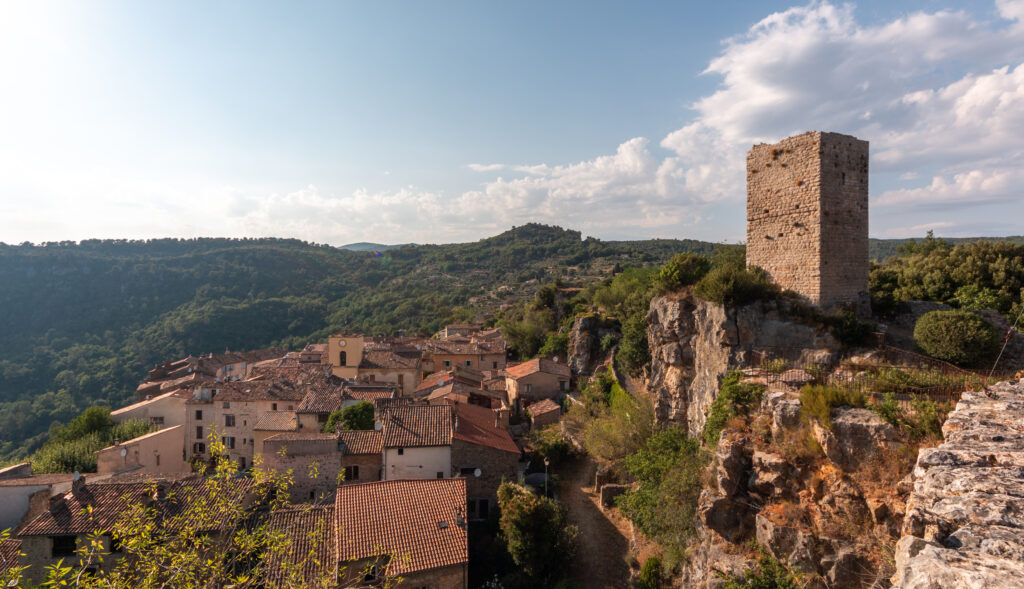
(817, 401)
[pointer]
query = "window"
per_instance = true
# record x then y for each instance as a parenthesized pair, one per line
(563, 385)
(290, 407)
(477, 508)
(371, 574)
(158, 460)
(447, 363)
(241, 463)
(199, 432)
(401, 451)
(440, 475)
(244, 440)
(351, 473)
(157, 422)
(342, 359)
(199, 414)
(467, 472)
(63, 546)
(528, 388)
(229, 421)
(199, 448)
(401, 381)
(273, 406)
(115, 545)
(469, 363)
(228, 441)
(312, 495)
(321, 419)
(494, 365)
(226, 405)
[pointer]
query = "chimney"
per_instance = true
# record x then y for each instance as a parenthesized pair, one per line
(78, 485)
(56, 503)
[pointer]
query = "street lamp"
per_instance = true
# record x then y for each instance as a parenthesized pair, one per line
(546, 462)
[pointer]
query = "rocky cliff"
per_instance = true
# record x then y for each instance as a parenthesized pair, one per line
(965, 519)
(694, 343)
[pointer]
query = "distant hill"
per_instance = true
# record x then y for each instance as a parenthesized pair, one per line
(364, 246)
(80, 323)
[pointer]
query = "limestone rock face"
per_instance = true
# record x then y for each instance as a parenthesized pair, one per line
(784, 411)
(856, 436)
(694, 343)
(965, 518)
(585, 343)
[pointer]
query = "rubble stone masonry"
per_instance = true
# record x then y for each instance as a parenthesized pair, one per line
(807, 217)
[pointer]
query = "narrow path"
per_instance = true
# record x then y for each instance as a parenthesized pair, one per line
(600, 561)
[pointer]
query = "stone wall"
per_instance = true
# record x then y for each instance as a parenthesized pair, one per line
(807, 216)
(495, 465)
(965, 522)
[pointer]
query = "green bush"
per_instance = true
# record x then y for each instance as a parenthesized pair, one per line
(849, 329)
(817, 401)
(683, 270)
(354, 417)
(650, 574)
(927, 419)
(770, 574)
(889, 410)
(536, 533)
(731, 285)
(634, 352)
(549, 442)
(960, 337)
(734, 398)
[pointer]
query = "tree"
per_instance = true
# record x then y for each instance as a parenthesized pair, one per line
(353, 417)
(960, 337)
(536, 533)
(683, 270)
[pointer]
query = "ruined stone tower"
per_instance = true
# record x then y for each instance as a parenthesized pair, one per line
(807, 217)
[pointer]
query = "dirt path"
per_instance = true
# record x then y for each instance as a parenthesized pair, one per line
(600, 558)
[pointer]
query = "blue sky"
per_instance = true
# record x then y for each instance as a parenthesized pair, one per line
(337, 122)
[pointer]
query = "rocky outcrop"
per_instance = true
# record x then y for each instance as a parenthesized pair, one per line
(585, 343)
(694, 343)
(965, 518)
(856, 436)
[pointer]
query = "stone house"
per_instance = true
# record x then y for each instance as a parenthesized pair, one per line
(24, 495)
(271, 423)
(88, 508)
(354, 358)
(230, 411)
(320, 462)
(544, 412)
(536, 379)
(159, 452)
(164, 410)
(412, 529)
(460, 374)
(417, 442)
(325, 398)
(470, 352)
(484, 454)
(457, 392)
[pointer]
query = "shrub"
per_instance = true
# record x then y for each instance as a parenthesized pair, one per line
(550, 442)
(354, 417)
(634, 352)
(849, 329)
(650, 574)
(817, 401)
(736, 286)
(536, 533)
(889, 410)
(556, 344)
(770, 574)
(735, 398)
(775, 365)
(927, 419)
(608, 342)
(960, 337)
(683, 270)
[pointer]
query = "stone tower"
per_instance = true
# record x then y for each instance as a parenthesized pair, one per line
(807, 217)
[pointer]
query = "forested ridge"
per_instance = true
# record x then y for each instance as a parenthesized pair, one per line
(81, 323)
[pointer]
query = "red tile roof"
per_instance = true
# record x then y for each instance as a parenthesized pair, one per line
(277, 421)
(307, 555)
(362, 442)
(420, 524)
(322, 398)
(417, 425)
(9, 550)
(387, 360)
(478, 425)
(537, 365)
(542, 407)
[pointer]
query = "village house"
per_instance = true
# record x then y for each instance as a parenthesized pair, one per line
(159, 452)
(417, 442)
(456, 392)
(484, 453)
(536, 379)
(230, 411)
(24, 495)
(323, 399)
(415, 530)
(544, 412)
(471, 352)
(321, 462)
(165, 410)
(457, 373)
(56, 533)
(200, 369)
(352, 357)
(271, 423)
(457, 329)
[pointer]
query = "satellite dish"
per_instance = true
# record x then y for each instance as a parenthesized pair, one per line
(78, 475)
(378, 425)
(123, 452)
(477, 472)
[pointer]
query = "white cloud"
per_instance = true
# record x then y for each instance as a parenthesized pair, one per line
(485, 167)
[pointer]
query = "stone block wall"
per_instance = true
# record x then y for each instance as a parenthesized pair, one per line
(494, 466)
(807, 216)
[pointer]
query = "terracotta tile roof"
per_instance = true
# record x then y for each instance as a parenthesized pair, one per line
(277, 421)
(371, 392)
(296, 436)
(457, 389)
(420, 524)
(36, 479)
(477, 425)
(257, 390)
(362, 442)
(387, 359)
(321, 398)
(417, 425)
(9, 550)
(461, 345)
(109, 499)
(303, 374)
(542, 407)
(461, 374)
(307, 556)
(537, 365)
